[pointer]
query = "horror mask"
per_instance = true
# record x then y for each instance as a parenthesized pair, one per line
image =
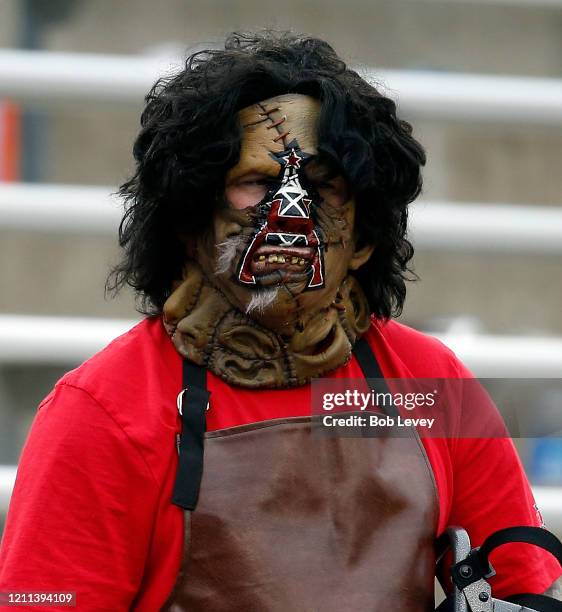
(266, 298)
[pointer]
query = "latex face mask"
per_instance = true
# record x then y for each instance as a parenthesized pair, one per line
(266, 299)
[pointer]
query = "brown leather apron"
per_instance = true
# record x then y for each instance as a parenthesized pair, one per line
(289, 520)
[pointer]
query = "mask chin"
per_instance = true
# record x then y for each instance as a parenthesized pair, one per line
(263, 349)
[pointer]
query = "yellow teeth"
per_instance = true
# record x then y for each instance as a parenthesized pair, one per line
(279, 258)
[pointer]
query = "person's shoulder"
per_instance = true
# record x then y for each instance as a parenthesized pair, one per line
(126, 393)
(133, 374)
(401, 335)
(143, 347)
(422, 354)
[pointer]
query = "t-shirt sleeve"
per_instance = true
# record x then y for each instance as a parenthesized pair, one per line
(490, 492)
(82, 508)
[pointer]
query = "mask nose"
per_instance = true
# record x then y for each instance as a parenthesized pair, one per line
(285, 240)
(290, 211)
(294, 205)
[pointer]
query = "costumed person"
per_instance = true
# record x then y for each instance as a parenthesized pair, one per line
(265, 235)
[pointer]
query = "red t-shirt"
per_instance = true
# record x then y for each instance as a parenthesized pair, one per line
(91, 510)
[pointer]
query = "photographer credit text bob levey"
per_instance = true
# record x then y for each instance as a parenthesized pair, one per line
(358, 400)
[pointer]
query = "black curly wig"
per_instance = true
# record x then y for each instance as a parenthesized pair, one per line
(190, 137)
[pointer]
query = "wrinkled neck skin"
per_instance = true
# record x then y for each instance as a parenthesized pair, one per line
(266, 300)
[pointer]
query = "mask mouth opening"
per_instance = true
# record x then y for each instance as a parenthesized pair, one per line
(282, 276)
(272, 258)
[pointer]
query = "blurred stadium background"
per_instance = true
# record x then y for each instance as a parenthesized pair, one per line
(479, 79)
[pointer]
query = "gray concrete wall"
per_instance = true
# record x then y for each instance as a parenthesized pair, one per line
(476, 162)
(57, 275)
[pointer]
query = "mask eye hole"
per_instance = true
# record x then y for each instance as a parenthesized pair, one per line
(248, 190)
(328, 182)
(335, 191)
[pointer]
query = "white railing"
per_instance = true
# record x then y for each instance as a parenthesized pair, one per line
(434, 225)
(500, 228)
(59, 208)
(538, 4)
(474, 97)
(68, 341)
(55, 340)
(50, 77)
(549, 502)
(7, 479)
(494, 356)
(532, 4)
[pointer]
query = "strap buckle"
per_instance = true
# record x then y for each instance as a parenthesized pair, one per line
(179, 402)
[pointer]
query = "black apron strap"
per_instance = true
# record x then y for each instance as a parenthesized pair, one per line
(192, 404)
(535, 603)
(373, 373)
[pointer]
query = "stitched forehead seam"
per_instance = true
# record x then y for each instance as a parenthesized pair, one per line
(275, 122)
